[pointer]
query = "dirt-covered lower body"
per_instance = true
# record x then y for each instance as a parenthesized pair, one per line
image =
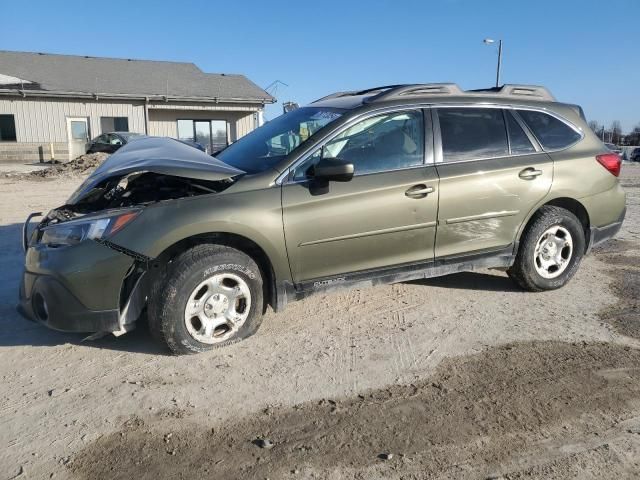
(496, 413)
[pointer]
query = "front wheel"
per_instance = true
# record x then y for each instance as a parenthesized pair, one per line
(211, 297)
(550, 250)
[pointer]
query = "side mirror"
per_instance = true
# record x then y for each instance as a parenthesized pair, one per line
(332, 170)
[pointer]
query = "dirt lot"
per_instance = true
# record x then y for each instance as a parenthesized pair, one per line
(458, 377)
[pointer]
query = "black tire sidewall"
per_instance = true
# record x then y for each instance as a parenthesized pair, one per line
(572, 224)
(185, 277)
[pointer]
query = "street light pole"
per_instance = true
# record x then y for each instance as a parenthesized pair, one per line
(499, 63)
(489, 41)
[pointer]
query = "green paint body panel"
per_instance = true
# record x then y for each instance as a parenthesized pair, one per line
(483, 203)
(366, 223)
(250, 208)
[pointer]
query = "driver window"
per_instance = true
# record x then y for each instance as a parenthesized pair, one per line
(386, 142)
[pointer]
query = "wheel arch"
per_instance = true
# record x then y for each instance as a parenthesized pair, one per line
(234, 240)
(572, 205)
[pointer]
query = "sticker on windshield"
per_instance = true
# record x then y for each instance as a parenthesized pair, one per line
(325, 115)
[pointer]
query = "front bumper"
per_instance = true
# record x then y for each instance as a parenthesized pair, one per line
(76, 288)
(52, 304)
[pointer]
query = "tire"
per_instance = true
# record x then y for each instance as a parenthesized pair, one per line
(529, 269)
(223, 276)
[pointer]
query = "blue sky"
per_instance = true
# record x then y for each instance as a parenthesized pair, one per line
(586, 52)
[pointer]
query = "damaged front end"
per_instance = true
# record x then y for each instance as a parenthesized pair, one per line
(76, 278)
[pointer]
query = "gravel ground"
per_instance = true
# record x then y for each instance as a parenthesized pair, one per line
(458, 377)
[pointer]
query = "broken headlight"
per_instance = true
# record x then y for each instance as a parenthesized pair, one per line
(95, 227)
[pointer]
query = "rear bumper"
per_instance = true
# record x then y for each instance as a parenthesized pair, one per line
(600, 235)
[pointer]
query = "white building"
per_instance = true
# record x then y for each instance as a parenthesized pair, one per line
(56, 103)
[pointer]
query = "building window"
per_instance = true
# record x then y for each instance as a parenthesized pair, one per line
(7, 128)
(114, 124)
(211, 134)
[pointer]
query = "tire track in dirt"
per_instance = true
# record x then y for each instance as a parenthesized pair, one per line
(475, 417)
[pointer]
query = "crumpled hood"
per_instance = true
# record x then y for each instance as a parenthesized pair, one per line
(164, 156)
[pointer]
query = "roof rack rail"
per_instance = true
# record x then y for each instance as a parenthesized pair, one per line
(391, 92)
(534, 92)
(424, 89)
(333, 95)
(355, 92)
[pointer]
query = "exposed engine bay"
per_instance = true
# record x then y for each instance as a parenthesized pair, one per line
(135, 189)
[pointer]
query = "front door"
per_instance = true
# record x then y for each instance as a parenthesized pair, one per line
(78, 136)
(492, 173)
(384, 216)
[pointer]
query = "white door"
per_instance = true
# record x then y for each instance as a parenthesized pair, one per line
(78, 134)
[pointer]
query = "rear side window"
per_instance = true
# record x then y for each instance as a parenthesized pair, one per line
(552, 133)
(470, 133)
(520, 143)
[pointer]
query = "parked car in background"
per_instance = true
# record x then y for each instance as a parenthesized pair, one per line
(112, 141)
(635, 155)
(614, 148)
(359, 188)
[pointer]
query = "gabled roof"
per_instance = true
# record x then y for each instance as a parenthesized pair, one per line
(105, 77)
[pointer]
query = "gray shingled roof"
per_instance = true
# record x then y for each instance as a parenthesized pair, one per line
(115, 76)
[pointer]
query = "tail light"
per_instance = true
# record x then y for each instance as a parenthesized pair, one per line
(610, 161)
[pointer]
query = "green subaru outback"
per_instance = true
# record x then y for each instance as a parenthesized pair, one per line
(358, 188)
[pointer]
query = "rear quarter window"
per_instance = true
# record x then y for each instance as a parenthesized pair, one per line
(553, 134)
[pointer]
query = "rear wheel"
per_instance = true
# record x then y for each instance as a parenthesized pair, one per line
(210, 297)
(550, 250)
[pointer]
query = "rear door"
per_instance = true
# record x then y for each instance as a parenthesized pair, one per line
(385, 216)
(492, 173)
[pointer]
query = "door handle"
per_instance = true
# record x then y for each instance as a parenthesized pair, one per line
(529, 173)
(419, 191)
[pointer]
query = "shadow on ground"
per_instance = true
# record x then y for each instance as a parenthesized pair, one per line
(471, 281)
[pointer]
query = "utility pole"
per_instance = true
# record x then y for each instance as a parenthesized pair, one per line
(489, 41)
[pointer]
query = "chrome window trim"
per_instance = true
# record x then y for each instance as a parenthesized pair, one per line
(482, 159)
(284, 176)
(437, 139)
(413, 167)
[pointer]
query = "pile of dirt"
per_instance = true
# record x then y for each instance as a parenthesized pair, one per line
(83, 165)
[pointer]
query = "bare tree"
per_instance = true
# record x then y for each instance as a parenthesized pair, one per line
(634, 137)
(616, 132)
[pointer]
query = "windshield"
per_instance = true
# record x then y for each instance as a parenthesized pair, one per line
(130, 135)
(266, 146)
